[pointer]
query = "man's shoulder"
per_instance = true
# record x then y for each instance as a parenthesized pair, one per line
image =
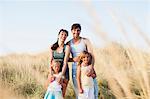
(85, 39)
(68, 43)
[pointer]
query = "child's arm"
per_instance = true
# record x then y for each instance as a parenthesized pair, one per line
(79, 79)
(49, 80)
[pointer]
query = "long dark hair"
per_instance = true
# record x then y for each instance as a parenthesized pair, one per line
(55, 45)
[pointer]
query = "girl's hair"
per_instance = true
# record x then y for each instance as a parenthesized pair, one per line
(55, 45)
(82, 55)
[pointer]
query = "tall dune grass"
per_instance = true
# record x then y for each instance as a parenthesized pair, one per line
(118, 77)
(123, 72)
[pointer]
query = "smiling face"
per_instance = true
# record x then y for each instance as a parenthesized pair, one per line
(86, 59)
(62, 36)
(56, 66)
(76, 33)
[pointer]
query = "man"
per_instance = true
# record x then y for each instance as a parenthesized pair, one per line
(79, 44)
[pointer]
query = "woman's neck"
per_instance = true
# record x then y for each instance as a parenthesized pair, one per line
(60, 43)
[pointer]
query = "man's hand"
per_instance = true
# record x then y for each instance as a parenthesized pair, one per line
(80, 90)
(90, 72)
(76, 59)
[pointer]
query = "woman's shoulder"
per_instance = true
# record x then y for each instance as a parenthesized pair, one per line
(67, 46)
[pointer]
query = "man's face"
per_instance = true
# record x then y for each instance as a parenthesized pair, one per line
(76, 32)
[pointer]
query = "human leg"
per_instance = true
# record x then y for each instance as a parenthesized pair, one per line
(96, 88)
(75, 82)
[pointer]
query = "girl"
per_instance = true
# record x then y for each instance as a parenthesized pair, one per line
(85, 83)
(54, 87)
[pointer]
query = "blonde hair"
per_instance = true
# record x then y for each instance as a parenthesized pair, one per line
(55, 62)
(82, 55)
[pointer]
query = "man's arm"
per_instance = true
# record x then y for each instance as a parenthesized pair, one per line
(90, 49)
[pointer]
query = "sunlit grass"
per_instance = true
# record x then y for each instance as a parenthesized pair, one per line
(118, 75)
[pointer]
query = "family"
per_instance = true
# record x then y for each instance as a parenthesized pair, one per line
(78, 51)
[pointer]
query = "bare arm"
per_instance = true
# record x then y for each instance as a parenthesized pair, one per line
(90, 49)
(66, 58)
(49, 80)
(79, 79)
(50, 61)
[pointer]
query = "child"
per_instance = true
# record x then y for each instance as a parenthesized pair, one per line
(54, 88)
(85, 83)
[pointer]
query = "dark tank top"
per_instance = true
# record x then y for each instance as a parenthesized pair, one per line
(59, 56)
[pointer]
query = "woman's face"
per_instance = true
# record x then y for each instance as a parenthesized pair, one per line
(62, 36)
(76, 33)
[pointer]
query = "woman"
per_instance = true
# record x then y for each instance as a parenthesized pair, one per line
(60, 51)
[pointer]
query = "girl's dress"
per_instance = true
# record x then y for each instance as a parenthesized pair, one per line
(54, 90)
(87, 84)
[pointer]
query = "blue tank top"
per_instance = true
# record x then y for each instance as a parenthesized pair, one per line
(76, 49)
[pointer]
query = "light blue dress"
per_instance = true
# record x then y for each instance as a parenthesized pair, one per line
(54, 91)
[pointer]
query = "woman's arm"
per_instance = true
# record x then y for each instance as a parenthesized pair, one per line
(50, 61)
(66, 58)
(79, 79)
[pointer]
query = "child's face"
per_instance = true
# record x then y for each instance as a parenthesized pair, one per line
(56, 67)
(86, 59)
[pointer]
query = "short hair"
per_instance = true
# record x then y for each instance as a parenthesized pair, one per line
(75, 26)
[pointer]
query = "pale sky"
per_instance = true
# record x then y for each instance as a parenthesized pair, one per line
(33, 25)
